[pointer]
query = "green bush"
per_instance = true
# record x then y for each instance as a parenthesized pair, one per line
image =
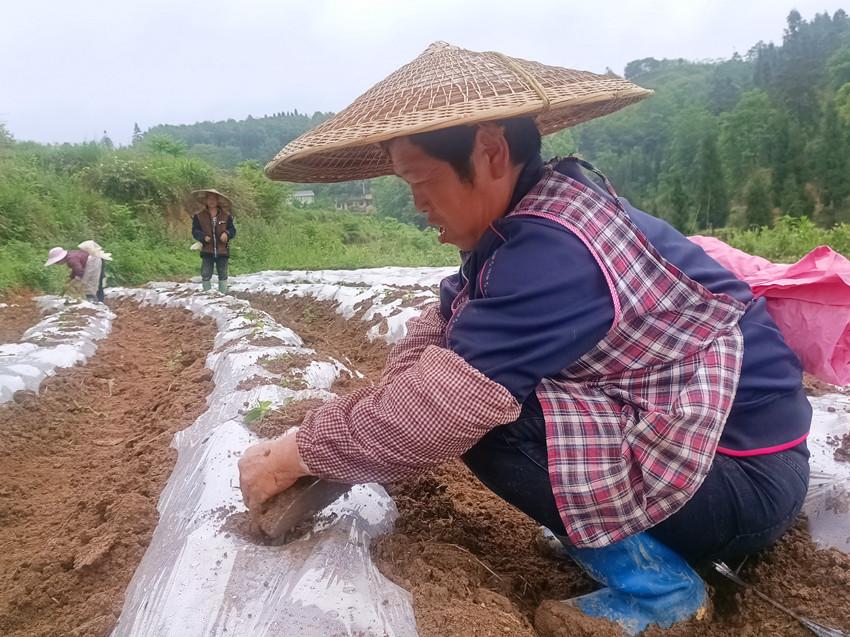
(788, 240)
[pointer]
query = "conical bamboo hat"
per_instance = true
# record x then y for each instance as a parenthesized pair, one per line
(446, 86)
(200, 196)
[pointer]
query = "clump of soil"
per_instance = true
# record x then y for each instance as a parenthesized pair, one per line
(283, 364)
(82, 466)
(85, 311)
(268, 341)
(842, 451)
(290, 367)
(817, 387)
(278, 421)
(554, 619)
(255, 381)
(451, 528)
(813, 582)
(406, 295)
(452, 589)
(240, 525)
(20, 314)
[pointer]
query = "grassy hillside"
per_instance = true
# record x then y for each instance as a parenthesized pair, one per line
(135, 203)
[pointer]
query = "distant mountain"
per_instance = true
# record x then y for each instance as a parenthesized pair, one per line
(737, 141)
(227, 143)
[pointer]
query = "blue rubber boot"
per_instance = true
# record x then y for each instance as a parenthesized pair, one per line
(645, 583)
(206, 285)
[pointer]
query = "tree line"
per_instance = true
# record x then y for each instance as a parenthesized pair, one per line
(230, 142)
(736, 142)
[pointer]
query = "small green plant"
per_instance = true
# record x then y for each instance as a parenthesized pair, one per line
(258, 412)
(281, 360)
(294, 381)
(252, 316)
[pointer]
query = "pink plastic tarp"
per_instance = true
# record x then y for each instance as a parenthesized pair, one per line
(809, 300)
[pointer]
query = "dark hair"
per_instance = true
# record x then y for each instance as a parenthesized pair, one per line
(454, 145)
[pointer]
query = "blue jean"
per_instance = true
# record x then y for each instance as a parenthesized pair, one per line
(744, 505)
(207, 262)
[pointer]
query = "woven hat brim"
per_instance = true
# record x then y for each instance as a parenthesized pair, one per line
(346, 146)
(366, 159)
(200, 195)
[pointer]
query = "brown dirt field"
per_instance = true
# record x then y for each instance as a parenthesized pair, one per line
(464, 554)
(322, 329)
(471, 564)
(14, 321)
(82, 466)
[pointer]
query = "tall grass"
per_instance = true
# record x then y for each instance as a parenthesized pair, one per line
(64, 195)
(314, 239)
(788, 240)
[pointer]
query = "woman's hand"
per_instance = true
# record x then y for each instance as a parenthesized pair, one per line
(224, 237)
(207, 239)
(269, 467)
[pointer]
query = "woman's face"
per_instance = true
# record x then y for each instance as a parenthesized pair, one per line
(462, 210)
(212, 200)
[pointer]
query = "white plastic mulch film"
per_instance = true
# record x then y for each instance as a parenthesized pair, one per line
(203, 576)
(67, 336)
(393, 295)
(828, 501)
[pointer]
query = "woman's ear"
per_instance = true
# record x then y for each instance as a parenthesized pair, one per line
(492, 150)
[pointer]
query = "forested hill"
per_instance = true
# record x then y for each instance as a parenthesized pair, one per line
(735, 142)
(739, 141)
(230, 142)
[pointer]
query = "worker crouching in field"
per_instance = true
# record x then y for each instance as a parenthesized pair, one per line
(87, 268)
(213, 227)
(590, 364)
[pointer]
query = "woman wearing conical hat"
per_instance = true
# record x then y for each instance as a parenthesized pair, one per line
(588, 363)
(213, 229)
(87, 271)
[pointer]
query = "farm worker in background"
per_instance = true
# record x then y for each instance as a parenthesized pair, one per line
(86, 265)
(213, 228)
(590, 364)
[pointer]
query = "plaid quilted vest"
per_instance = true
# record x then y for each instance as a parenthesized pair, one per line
(633, 425)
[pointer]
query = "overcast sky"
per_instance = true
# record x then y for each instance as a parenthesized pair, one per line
(70, 69)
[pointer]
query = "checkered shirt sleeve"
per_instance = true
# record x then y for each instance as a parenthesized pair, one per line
(430, 412)
(429, 328)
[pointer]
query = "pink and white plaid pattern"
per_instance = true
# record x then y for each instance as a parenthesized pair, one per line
(433, 410)
(633, 425)
(429, 328)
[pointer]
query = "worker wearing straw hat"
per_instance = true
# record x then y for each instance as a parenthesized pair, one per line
(86, 268)
(213, 228)
(589, 364)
